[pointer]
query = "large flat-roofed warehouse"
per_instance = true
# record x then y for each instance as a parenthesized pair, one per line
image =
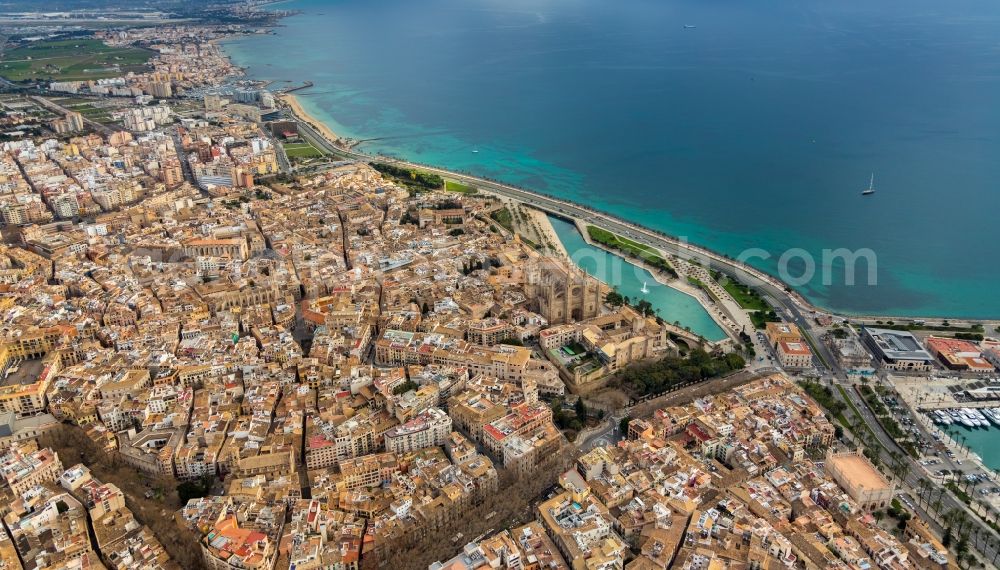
(897, 350)
(856, 475)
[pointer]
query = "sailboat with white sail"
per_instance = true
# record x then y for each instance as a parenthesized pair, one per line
(871, 187)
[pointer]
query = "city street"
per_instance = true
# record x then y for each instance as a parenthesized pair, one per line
(790, 306)
(915, 472)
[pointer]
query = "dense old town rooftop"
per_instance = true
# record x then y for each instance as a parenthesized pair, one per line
(344, 365)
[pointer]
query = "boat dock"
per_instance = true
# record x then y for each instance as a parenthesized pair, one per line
(290, 89)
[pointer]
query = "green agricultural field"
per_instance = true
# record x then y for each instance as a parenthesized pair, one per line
(70, 60)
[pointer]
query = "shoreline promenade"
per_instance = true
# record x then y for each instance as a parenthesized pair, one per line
(781, 295)
(299, 111)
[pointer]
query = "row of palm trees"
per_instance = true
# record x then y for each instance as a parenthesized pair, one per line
(959, 525)
(956, 522)
(898, 466)
(957, 519)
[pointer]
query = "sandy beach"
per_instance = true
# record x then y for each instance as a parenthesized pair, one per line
(538, 227)
(296, 107)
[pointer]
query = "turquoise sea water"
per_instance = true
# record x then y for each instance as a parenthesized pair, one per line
(757, 128)
(628, 279)
(982, 442)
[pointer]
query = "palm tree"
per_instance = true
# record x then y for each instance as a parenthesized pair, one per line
(936, 505)
(893, 461)
(931, 488)
(900, 466)
(858, 428)
(976, 535)
(921, 489)
(952, 516)
(962, 520)
(986, 535)
(904, 468)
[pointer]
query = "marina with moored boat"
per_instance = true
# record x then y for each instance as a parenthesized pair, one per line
(968, 417)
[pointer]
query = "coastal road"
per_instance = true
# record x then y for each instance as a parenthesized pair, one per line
(283, 162)
(911, 482)
(783, 297)
(785, 301)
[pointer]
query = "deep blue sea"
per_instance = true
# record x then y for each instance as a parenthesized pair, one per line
(737, 124)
